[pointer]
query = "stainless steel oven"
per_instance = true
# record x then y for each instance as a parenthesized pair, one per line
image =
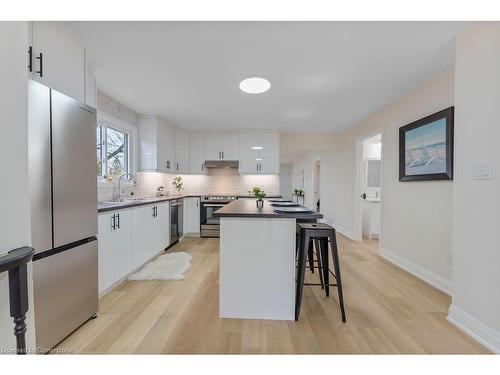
(210, 225)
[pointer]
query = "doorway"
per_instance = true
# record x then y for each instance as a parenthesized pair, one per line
(286, 181)
(369, 187)
(317, 185)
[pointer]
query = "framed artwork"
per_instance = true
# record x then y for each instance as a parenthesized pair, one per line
(426, 148)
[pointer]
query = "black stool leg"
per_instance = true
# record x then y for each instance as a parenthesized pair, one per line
(336, 265)
(310, 255)
(320, 262)
(326, 266)
(301, 273)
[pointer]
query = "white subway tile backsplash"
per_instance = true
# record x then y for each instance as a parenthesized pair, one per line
(217, 182)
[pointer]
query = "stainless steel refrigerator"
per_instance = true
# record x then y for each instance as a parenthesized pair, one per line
(63, 195)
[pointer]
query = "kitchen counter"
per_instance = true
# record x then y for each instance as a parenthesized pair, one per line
(104, 207)
(248, 208)
(257, 261)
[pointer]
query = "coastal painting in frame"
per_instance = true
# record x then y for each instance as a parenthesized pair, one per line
(426, 148)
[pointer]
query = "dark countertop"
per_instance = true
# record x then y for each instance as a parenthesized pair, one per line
(248, 208)
(104, 207)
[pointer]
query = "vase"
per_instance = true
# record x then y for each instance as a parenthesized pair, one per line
(260, 203)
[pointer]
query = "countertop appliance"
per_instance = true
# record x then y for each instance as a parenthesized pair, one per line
(176, 220)
(210, 225)
(63, 196)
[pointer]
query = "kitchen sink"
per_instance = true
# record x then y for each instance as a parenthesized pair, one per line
(131, 200)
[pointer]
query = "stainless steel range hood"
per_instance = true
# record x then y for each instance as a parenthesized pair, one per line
(221, 164)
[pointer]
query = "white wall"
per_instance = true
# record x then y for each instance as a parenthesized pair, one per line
(416, 216)
(476, 203)
(14, 198)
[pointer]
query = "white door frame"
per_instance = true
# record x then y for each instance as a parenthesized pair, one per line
(316, 161)
(358, 209)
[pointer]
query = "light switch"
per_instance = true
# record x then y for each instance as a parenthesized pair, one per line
(482, 171)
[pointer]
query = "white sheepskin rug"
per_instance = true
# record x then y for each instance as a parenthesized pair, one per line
(165, 267)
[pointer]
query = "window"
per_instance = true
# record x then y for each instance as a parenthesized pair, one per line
(112, 151)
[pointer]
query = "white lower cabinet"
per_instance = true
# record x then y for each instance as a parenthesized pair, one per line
(161, 224)
(123, 245)
(115, 247)
(128, 238)
(142, 234)
(191, 215)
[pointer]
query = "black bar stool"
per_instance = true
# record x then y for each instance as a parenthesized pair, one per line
(322, 235)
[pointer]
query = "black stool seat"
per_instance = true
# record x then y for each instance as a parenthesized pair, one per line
(322, 235)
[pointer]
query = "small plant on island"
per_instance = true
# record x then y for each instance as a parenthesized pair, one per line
(258, 192)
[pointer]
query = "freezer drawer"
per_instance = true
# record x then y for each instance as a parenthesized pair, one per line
(65, 293)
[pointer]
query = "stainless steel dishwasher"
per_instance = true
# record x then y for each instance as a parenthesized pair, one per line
(176, 219)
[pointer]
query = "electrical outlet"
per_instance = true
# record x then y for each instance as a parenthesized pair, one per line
(482, 171)
(449, 258)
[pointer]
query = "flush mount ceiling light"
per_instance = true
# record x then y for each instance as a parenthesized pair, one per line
(259, 159)
(256, 147)
(255, 85)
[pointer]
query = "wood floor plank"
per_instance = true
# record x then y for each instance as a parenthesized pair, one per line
(388, 311)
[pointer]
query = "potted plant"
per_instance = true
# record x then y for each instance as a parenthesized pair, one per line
(259, 194)
(301, 192)
(296, 191)
(178, 184)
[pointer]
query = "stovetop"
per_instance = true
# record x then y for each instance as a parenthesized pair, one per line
(218, 198)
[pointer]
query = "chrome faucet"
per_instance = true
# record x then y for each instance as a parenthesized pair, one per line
(120, 193)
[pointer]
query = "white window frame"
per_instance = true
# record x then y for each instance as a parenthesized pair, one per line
(107, 120)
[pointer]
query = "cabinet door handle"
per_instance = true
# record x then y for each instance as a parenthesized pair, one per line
(40, 72)
(222, 154)
(30, 62)
(113, 225)
(177, 165)
(118, 226)
(153, 211)
(202, 166)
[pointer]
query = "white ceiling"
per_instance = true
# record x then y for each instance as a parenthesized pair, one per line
(325, 76)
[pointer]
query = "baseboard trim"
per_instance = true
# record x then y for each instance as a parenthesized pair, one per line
(339, 229)
(423, 274)
(479, 331)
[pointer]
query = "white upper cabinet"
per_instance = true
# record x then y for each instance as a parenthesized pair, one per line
(270, 153)
(182, 151)
(213, 146)
(166, 147)
(259, 153)
(230, 146)
(90, 87)
(248, 155)
(197, 154)
(156, 145)
(222, 146)
(58, 59)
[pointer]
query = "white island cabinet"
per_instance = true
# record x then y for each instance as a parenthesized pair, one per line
(257, 261)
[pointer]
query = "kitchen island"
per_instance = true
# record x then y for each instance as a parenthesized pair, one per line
(257, 261)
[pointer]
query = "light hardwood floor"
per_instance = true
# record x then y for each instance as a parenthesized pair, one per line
(388, 311)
